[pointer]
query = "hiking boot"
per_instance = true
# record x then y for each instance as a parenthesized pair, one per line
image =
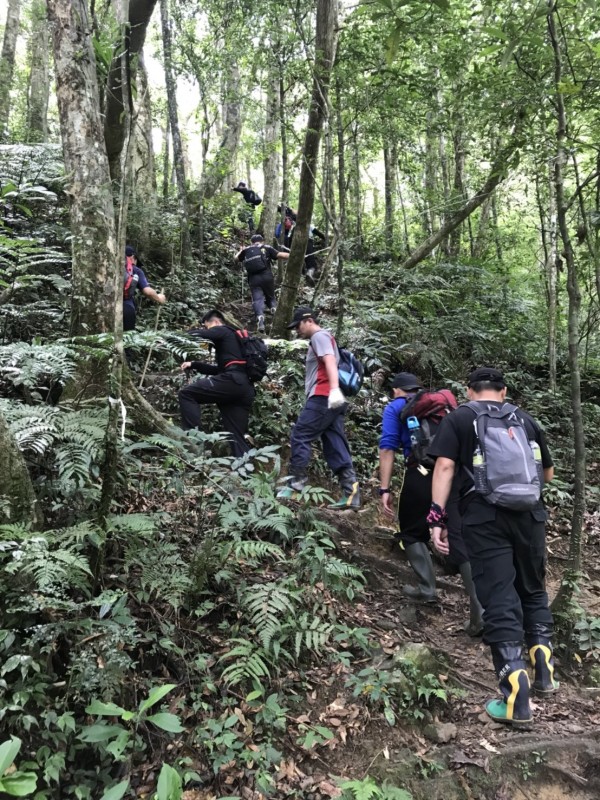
(351, 489)
(474, 626)
(261, 324)
(272, 310)
(513, 708)
(419, 558)
(540, 655)
(295, 484)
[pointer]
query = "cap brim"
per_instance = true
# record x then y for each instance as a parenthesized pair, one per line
(292, 325)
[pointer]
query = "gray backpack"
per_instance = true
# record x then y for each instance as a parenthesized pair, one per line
(507, 467)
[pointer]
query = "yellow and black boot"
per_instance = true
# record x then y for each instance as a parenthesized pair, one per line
(350, 500)
(513, 708)
(540, 655)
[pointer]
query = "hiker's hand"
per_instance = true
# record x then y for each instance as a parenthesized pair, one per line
(186, 365)
(161, 298)
(336, 399)
(439, 537)
(387, 505)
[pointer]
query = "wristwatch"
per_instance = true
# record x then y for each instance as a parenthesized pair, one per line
(384, 491)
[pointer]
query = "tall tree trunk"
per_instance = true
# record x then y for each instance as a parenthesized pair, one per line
(7, 63)
(219, 170)
(96, 262)
(551, 274)
(166, 164)
(562, 601)
(271, 161)
(325, 46)
(431, 193)
(458, 187)
(285, 179)
(144, 167)
(357, 192)
(390, 197)
(140, 12)
(497, 174)
(39, 78)
(175, 132)
(16, 489)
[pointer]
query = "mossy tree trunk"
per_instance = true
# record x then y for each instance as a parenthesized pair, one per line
(39, 74)
(7, 63)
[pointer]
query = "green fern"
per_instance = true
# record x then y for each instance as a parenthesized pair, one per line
(311, 633)
(256, 551)
(269, 604)
(250, 664)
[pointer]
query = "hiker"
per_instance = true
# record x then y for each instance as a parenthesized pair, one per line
(411, 402)
(133, 279)
(252, 199)
(309, 268)
(257, 259)
(227, 384)
(289, 223)
(501, 460)
(322, 416)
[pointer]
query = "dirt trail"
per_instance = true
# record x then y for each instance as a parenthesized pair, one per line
(558, 758)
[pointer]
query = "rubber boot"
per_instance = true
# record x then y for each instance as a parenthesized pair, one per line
(513, 708)
(419, 558)
(351, 491)
(474, 626)
(261, 324)
(295, 484)
(540, 655)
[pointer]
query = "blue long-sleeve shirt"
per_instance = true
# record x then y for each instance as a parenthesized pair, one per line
(394, 433)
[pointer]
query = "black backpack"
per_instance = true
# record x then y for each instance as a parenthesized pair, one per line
(254, 198)
(255, 353)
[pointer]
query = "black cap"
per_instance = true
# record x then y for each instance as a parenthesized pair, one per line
(241, 183)
(406, 381)
(130, 251)
(257, 238)
(300, 314)
(486, 374)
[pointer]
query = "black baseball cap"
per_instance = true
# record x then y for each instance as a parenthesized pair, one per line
(486, 374)
(406, 381)
(130, 251)
(300, 314)
(257, 238)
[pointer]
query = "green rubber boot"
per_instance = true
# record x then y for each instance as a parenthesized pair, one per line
(513, 708)
(419, 558)
(350, 500)
(295, 484)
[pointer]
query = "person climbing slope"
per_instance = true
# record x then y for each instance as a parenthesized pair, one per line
(257, 259)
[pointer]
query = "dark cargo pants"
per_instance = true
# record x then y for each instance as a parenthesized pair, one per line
(316, 421)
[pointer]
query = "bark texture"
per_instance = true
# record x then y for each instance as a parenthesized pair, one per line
(16, 489)
(140, 12)
(95, 256)
(325, 47)
(7, 62)
(271, 161)
(39, 74)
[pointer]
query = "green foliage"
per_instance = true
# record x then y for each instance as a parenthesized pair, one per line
(367, 789)
(14, 783)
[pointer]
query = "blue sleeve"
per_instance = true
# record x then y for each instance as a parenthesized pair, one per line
(394, 433)
(143, 281)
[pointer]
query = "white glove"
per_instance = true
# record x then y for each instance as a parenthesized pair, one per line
(336, 399)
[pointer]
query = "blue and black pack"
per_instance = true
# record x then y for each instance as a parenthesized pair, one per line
(351, 372)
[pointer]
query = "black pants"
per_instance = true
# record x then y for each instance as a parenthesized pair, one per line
(413, 507)
(507, 551)
(233, 394)
(262, 287)
(129, 316)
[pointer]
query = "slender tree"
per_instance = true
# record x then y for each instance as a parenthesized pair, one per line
(325, 46)
(7, 62)
(39, 77)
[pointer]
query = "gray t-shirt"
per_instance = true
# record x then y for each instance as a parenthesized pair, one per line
(321, 344)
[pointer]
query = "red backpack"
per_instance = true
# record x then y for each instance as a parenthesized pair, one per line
(127, 277)
(429, 408)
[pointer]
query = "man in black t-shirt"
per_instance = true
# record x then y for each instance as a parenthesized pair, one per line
(228, 385)
(506, 549)
(257, 259)
(252, 200)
